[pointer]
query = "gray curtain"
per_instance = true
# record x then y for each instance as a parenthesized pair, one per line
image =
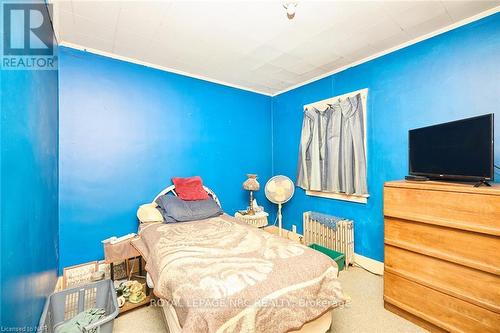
(309, 151)
(332, 150)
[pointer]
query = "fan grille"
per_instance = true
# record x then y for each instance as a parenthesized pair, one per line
(279, 189)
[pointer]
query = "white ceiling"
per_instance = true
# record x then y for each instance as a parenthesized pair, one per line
(252, 45)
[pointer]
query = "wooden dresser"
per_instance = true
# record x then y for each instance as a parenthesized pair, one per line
(442, 255)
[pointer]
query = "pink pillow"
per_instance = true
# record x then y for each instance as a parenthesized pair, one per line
(190, 188)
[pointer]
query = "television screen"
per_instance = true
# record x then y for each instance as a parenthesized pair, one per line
(460, 149)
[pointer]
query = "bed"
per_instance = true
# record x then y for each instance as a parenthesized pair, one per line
(221, 275)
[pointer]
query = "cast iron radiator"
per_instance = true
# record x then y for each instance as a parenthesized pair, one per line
(332, 232)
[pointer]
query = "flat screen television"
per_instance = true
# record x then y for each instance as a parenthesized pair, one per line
(458, 150)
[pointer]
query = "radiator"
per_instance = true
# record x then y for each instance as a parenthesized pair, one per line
(331, 232)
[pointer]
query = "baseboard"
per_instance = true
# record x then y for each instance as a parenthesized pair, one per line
(372, 265)
(369, 264)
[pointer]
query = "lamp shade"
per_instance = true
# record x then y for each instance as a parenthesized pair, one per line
(251, 184)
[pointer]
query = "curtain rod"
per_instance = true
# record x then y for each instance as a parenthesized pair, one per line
(326, 102)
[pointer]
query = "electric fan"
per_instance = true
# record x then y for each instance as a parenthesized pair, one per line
(279, 190)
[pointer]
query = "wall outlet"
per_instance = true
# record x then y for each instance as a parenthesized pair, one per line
(294, 228)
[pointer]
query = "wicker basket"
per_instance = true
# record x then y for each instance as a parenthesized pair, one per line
(258, 220)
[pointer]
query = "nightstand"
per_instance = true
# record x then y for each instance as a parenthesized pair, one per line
(125, 251)
(121, 251)
(258, 220)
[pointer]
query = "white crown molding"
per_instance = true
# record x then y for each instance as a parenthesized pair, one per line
(455, 25)
(353, 64)
(162, 68)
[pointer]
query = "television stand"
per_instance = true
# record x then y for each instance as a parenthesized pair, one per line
(482, 182)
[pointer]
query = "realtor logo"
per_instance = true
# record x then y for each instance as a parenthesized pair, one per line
(27, 37)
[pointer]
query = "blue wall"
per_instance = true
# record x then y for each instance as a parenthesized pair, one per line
(451, 76)
(29, 194)
(126, 129)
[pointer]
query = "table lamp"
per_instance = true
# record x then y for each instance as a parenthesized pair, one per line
(251, 184)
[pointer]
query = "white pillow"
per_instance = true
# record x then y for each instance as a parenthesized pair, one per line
(148, 213)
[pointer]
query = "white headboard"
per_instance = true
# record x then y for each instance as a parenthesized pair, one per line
(171, 189)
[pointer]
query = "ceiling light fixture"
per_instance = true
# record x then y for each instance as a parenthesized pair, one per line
(290, 7)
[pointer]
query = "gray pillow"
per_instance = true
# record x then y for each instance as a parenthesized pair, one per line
(175, 209)
(166, 218)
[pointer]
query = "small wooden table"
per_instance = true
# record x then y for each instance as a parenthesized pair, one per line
(119, 252)
(124, 251)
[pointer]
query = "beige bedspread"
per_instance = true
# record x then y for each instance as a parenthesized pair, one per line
(225, 276)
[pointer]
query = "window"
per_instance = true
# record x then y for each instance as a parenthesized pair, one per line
(332, 152)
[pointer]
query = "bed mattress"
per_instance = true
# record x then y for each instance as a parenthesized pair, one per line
(319, 325)
(221, 275)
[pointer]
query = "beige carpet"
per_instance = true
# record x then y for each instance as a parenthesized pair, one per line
(364, 314)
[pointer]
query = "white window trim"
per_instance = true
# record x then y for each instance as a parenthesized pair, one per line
(323, 105)
(340, 196)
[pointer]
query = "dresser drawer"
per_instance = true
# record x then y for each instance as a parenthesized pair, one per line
(453, 279)
(442, 310)
(476, 250)
(469, 211)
